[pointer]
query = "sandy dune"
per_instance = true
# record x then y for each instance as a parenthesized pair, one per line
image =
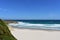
(26, 34)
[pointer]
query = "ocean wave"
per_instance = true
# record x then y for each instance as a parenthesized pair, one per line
(30, 25)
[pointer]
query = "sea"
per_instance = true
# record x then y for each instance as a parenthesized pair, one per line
(37, 24)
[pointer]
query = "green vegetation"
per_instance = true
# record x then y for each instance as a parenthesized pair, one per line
(5, 33)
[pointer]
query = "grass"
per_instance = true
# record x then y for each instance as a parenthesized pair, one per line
(5, 33)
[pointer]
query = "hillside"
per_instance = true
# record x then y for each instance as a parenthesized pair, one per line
(5, 33)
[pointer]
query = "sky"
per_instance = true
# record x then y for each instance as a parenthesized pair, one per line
(30, 9)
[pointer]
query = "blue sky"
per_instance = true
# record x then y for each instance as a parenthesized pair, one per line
(30, 9)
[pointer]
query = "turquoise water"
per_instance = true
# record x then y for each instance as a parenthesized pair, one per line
(37, 24)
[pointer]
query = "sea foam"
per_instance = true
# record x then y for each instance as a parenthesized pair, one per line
(31, 25)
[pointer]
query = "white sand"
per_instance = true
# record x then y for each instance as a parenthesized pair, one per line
(25, 34)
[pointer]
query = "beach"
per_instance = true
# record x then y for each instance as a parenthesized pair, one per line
(27, 34)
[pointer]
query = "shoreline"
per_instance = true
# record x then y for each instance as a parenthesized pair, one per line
(36, 29)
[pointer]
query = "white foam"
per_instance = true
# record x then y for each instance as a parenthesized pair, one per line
(23, 24)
